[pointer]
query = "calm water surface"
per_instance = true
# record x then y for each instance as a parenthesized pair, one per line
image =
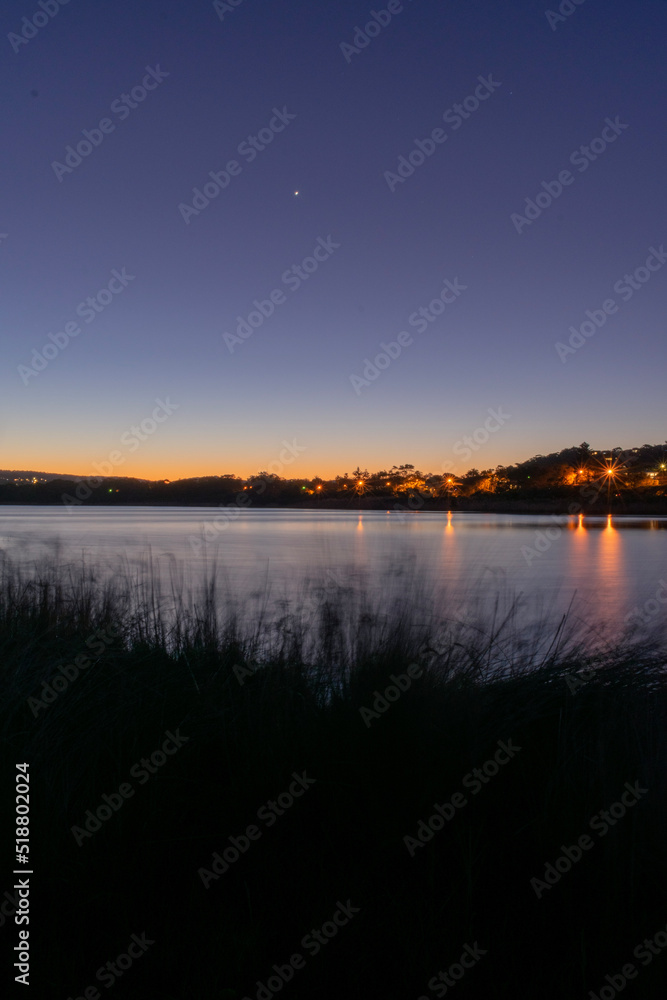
(602, 568)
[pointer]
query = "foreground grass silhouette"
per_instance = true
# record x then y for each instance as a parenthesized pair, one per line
(192, 726)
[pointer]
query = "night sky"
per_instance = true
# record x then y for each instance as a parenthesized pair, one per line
(177, 271)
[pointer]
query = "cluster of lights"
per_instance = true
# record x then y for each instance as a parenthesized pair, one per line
(610, 470)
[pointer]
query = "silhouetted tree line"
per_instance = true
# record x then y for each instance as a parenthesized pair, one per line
(642, 470)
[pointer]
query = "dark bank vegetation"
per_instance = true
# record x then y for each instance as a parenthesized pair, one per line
(256, 702)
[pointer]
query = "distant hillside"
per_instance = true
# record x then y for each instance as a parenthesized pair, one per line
(580, 469)
(29, 474)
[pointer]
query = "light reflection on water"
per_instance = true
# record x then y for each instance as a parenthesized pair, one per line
(602, 566)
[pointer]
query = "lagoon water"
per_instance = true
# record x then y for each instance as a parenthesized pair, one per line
(601, 568)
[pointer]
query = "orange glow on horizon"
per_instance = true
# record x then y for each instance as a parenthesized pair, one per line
(188, 456)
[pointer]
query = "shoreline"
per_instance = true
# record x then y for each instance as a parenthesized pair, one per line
(459, 505)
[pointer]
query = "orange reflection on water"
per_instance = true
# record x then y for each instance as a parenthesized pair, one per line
(579, 542)
(451, 552)
(611, 561)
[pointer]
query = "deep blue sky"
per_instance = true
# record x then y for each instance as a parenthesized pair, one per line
(162, 336)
